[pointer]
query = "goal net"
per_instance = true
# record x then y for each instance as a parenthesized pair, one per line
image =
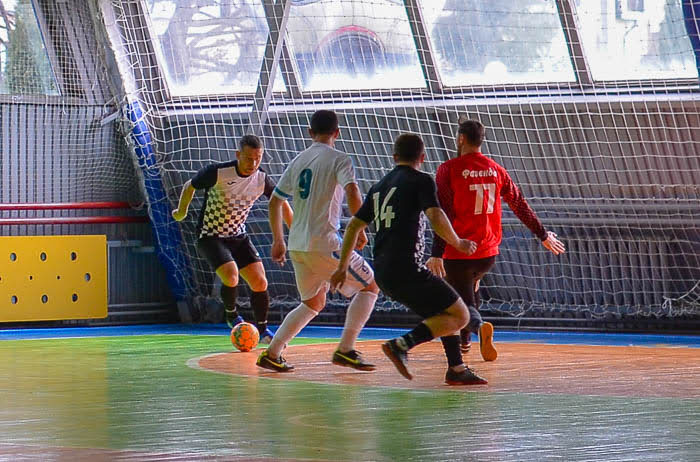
(592, 107)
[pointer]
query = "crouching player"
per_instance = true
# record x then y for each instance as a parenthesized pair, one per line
(230, 190)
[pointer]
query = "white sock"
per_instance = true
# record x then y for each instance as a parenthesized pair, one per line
(293, 323)
(357, 315)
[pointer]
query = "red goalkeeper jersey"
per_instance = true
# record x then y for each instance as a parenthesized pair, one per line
(470, 188)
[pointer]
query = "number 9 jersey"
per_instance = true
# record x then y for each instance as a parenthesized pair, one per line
(315, 181)
(470, 188)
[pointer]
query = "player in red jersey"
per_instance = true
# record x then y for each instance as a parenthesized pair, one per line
(470, 188)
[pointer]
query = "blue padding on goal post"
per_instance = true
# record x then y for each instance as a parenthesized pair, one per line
(165, 231)
(691, 13)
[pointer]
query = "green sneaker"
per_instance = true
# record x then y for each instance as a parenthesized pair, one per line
(273, 364)
(353, 359)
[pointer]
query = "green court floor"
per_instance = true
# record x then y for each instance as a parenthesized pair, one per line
(137, 394)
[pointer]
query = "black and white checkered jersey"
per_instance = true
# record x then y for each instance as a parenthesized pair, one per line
(228, 198)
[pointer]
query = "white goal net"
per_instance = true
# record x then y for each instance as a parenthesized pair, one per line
(591, 106)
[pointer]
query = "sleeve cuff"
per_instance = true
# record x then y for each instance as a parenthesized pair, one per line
(281, 194)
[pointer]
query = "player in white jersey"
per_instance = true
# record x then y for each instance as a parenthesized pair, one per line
(316, 180)
(231, 188)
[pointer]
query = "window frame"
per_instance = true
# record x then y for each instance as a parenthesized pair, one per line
(53, 60)
(294, 94)
(238, 98)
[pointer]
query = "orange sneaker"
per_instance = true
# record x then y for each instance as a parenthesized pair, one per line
(488, 350)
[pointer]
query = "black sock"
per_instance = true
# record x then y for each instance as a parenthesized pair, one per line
(229, 296)
(260, 303)
(475, 320)
(420, 334)
(451, 345)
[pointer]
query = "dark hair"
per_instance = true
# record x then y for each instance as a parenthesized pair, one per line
(324, 122)
(408, 147)
(250, 140)
(473, 130)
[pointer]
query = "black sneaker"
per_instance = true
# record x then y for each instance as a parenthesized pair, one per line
(397, 356)
(465, 377)
(273, 364)
(353, 359)
(465, 337)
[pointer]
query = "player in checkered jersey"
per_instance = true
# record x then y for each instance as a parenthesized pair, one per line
(470, 188)
(231, 188)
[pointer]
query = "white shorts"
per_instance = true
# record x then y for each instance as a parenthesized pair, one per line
(313, 271)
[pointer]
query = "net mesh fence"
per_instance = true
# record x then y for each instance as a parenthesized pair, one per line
(59, 142)
(592, 107)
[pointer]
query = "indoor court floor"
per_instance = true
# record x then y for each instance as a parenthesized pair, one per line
(176, 392)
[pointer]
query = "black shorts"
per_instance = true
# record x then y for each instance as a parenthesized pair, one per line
(463, 274)
(220, 250)
(415, 287)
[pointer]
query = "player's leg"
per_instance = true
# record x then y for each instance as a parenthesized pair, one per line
(217, 252)
(443, 311)
(361, 286)
(445, 322)
(464, 276)
(253, 272)
(228, 274)
(485, 329)
(459, 274)
(254, 275)
(292, 324)
(312, 290)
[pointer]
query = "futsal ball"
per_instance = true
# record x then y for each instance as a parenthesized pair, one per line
(244, 336)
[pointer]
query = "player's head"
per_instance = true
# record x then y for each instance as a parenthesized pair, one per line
(324, 123)
(249, 154)
(409, 149)
(471, 133)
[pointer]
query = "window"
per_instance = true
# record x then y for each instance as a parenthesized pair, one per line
(353, 44)
(632, 40)
(210, 46)
(497, 42)
(24, 64)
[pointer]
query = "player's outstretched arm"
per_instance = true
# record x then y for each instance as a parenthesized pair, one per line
(183, 205)
(442, 226)
(553, 244)
(352, 232)
(279, 248)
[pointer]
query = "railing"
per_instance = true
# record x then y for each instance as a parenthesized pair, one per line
(111, 219)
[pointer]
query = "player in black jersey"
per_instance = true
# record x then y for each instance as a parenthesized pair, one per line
(231, 188)
(396, 205)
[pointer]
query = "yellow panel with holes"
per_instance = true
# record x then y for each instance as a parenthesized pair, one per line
(45, 278)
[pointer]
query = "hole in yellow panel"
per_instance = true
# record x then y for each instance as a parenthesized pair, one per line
(31, 277)
(58, 277)
(75, 297)
(87, 276)
(13, 256)
(14, 299)
(43, 256)
(44, 298)
(73, 256)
